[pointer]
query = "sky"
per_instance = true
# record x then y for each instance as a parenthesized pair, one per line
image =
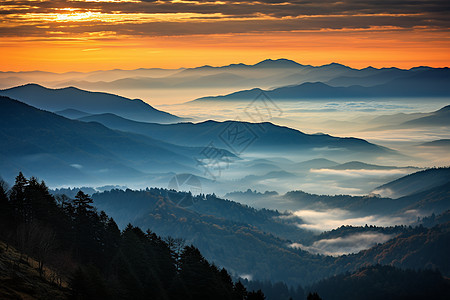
(79, 35)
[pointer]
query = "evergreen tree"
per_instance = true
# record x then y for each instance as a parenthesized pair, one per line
(313, 296)
(239, 291)
(258, 295)
(6, 212)
(18, 199)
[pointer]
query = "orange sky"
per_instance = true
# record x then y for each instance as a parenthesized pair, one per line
(62, 36)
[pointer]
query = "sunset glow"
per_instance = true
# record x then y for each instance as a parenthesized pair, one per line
(88, 35)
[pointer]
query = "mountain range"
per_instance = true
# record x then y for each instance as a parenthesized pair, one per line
(282, 79)
(59, 149)
(123, 149)
(426, 83)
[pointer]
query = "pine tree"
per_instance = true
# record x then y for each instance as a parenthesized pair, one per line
(18, 199)
(313, 296)
(5, 208)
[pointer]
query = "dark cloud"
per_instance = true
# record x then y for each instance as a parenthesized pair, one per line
(236, 16)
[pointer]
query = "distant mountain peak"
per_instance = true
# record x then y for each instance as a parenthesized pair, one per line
(277, 63)
(336, 65)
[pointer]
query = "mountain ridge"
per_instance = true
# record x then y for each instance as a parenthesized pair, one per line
(86, 101)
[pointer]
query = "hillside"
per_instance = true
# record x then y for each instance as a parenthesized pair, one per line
(383, 282)
(20, 279)
(80, 152)
(440, 117)
(99, 261)
(422, 247)
(413, 183)
(240, 238)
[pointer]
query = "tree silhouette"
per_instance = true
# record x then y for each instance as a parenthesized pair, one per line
(313, 296)
(258, 295)
(18, 199)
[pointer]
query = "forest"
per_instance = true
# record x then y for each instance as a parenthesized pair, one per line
(85, 249)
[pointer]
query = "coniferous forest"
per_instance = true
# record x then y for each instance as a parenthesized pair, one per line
(90, 258)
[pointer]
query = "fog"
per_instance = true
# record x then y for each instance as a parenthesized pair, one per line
(345, 245)
(323, 220)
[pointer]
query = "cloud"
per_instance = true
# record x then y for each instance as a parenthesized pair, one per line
(333, 218)
(345, 245)
(362, 172)
(162, 18)
(246, 276)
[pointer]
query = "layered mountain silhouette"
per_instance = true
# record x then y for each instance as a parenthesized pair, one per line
(357, 165)
(437, 143)
(414, 183)
(239, 136)
(440, 117)
(58, 149)
(71, 113)
(87, 102)
(333, 80)
(424, 83)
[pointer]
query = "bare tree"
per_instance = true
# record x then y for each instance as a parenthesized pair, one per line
(37, 241)
(44, 245)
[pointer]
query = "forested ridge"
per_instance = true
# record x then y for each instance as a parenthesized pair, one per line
(86, 249)
(83, 253)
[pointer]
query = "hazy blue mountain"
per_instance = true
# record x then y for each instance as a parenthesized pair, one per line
(383, 75)
(266, 74)
(440, 117)
(58, 149)
(308, 90)
(172, 82)
(426, 191)
(414, 183)
(262, 168)
(427, 83)
(317, 163)
(238, 137)
(357, 165)
(437, 143)
(393, 119)
(72, 113)
(101, 75)
(89, 102)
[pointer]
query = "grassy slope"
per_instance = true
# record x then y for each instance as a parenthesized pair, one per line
(19, 278)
